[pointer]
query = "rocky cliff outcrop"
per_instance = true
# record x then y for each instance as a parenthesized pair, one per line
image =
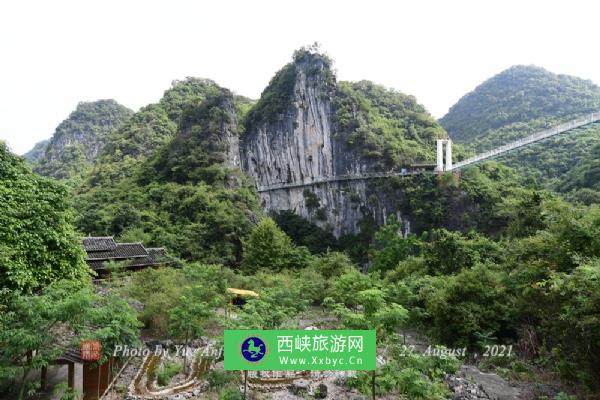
(307, 127)
(297, 145)
(78, 140)
(36, 152)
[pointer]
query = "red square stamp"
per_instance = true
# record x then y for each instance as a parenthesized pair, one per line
(90, 350)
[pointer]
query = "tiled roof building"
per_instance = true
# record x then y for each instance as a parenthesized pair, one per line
(99, 243)
(101, 250)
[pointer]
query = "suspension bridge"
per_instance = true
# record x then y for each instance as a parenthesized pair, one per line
(445, 163)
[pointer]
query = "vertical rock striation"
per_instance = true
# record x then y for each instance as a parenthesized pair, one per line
(295, 147)
(294, 135)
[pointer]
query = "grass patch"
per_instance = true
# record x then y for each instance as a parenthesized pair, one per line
(167, 371)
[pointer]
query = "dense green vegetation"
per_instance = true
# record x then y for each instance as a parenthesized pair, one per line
(135, 140)
(177, 190)
(389, 127)
(582, 183)
(305, 233)
(47, 302)
(203, 140)
(490, 258)
(469, 290)
(38, 244)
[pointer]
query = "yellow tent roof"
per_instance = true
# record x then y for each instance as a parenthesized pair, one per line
(242, 292)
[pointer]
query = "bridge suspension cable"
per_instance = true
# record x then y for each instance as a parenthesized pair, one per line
(449, 166)
(535, 137)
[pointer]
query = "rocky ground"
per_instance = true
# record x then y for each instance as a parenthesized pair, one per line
(469, 383)
(119, 389)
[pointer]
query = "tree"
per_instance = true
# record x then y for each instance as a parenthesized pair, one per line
(269, 247)
(391, 247)
(344, 289)
(272, 309)
(333, 264)
(450, 252)
(373, 311)
(41, 323)
(467, 309)
(188, 318)
(525, 214)
(572, 303)
(38, 244)
(158, 290)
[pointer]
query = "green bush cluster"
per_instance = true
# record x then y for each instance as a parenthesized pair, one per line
(527, 287)
(409, 375)
(167, 371)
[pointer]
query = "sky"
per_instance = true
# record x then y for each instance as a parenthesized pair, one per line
(56, 53)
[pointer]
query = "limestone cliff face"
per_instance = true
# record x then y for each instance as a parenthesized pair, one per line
(303, 144)
(297, 147)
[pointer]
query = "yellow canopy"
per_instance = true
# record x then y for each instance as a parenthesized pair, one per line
(242, 292)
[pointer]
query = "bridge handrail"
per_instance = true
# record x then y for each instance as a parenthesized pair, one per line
(335, 178)
(555, 130)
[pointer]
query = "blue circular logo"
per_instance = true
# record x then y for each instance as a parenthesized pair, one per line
(253, 349)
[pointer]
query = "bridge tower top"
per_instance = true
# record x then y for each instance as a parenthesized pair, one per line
(440, 155)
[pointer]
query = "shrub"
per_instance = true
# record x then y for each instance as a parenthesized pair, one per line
(269, 247)
(410, 375)
(159, 291)
(230, 393)
(217, 379)
(468, 309)
(167, 371)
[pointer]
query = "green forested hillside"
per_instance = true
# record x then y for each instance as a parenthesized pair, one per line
(389, 127)
(520, 101)
(521, 94)
(162, 178)
(79, 139)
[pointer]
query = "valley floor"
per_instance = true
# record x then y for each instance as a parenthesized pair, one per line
(469, 382)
